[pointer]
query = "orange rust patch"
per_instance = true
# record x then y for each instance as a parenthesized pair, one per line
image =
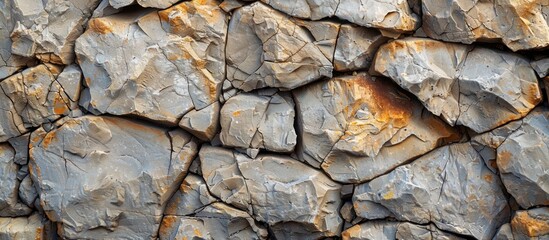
(523, 222)
(100, 26)
(236, 113)
(39, 234)
(167, 224)
(59, 106)
(533, 94)
(185, 187)
(438, 126)
(488, 178)
(49, 138)
(503, 158)
(197, 233)
(351, 232)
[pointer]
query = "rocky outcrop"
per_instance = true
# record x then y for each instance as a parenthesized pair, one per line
(354, 127)
(296, 201)
(476, 87)
(173, 61)
(109, 177)
(450, 187)
(520, 25)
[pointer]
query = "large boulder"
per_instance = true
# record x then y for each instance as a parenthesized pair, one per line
(450, 187)
(359, 127)
(266, 48)
(523, 160)
(108, 177)
(520, 25)
(296, 200)
(476, 87)
(155, 64)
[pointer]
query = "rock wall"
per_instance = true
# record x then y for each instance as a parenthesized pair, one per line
(274, 119)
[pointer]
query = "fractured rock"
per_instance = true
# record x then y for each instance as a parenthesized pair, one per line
(359, 127)
(47, 29)
(10, 206)
(9, 62)
(450, 187)
(215, 221)
(203, 123)
(101, 177)
(541, 66)
(192, 196)
(296, 200)
(32, 227)
(523, 160)
(520, 25)
(35, 96)
(531, 224)
(143, 3)
(391, 15)
(264, 119)
(266, 48)
(385, 230)
(157, 65)
(356, 47)
(476, 87)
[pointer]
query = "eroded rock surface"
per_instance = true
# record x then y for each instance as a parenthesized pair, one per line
(157, 65)
(523, 160)
(520, 25)
(37, 95)
(531, 224)
(356, 127)
(356, 47)
(101, 177)
(266, 48)
(263, 119)
(476, 87)
(31, 227)
(450, 187)
(10, 205)
(296, 200)
(386, 230)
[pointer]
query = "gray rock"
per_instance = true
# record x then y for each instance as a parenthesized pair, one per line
(295, 200)
(450, 187)
(9, 62)
(143, 3)
(359, 127)
(531, 224)
(47, 29)
(523, 160)
(487, 143)
(541, 66)
(476, 87)
(36, 96)
(259, 120)
(101, 177)
(193, 195)
(504, 233)
(356, 47)
(324, 33)
(230, 5)
(31, 227)
(215, 221)
(203, 123)
(386, 230)
(21, 146)
(10, 206)
(520, 25)
(392, 15)
(172, 62)
(27, 192)
(266, 48)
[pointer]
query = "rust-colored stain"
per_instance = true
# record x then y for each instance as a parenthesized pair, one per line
(389, 195)
(185, 187)
(100, 26)
(237, 113)
(351, 232)
(49, 138)
(167, 224)
(503, 158)
(532, 94)
(59, 106)
(39, 234)
(440, 127)
(488, 178)
(197, 233)
(522, 222)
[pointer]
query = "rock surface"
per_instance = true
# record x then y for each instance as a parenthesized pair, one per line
(450, 187)
(385, 230)
(523, 160)
(476, 87)
(94, 185)
(354, 127)
(173, 61)
(520, 25)
(10, 205)
(266, 48)
(297, 201)
(23, 228)
(264, 119)
(356, 47)
(531, 224)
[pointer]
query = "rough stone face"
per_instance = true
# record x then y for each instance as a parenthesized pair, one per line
(101, 177)
(9, 62)
(157, 65)
(203, 123)
(450, 187)
(385, 230)
(356, 127)
(215, 221)
(476, 87)
(523, 160)
(356, 47)
(520, 25)
(296, 200)
(47, 29)
(10, 206)
(531, 224)
(143, 3)
(541, 66)
(266, 48)
(263, 119)
(35, 96)
(23, 228)
(193, 195)
(392, 15)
